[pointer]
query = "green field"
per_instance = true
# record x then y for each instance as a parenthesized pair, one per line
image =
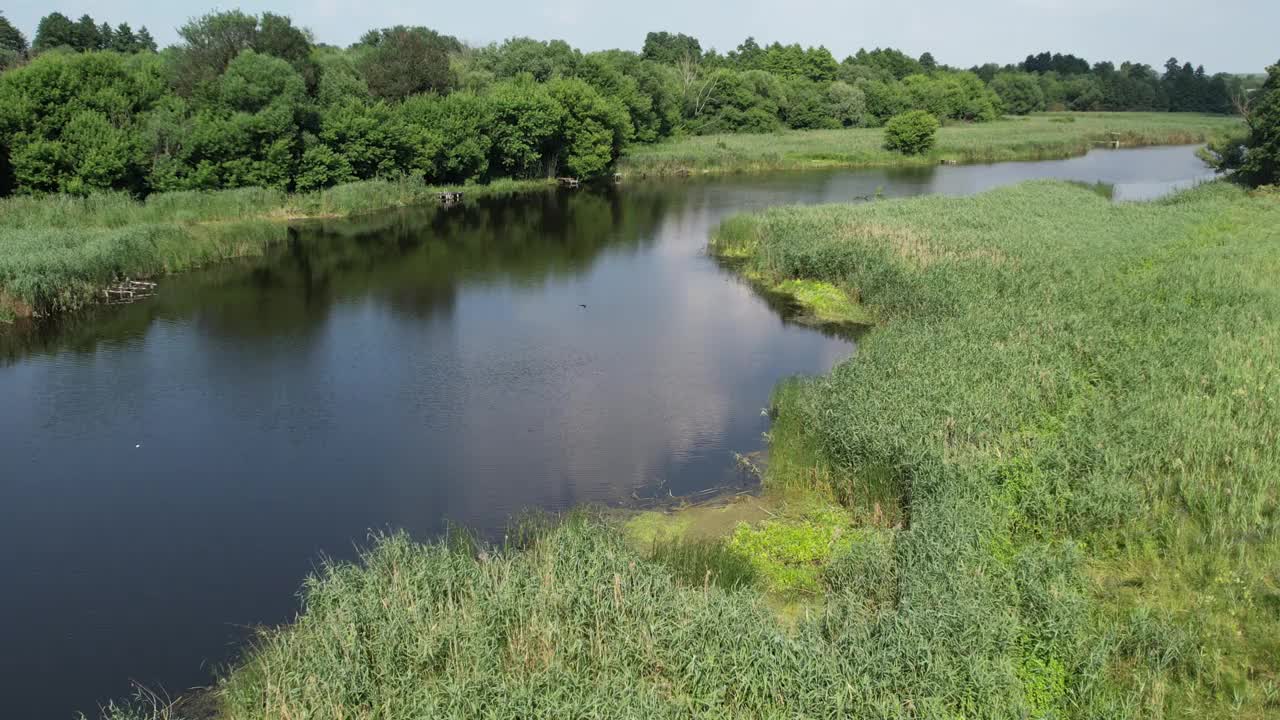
(1037, 137)
(1045, 487)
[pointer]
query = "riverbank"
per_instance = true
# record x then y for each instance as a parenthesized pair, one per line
(58, 253)
(1015, 501)
(1043, 136)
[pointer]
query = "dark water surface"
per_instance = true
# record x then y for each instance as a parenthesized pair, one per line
(171, 470)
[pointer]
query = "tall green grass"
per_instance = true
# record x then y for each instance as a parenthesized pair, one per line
(57, 253)
(1074, 404)
(1038, 137)
(1077, 400)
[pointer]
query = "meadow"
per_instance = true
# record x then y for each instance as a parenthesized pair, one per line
(1042, 136)
(1044, 487)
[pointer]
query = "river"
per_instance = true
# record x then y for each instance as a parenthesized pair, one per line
(172, 469)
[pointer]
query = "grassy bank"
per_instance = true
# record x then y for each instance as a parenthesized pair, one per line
(57, 253)
(1076, 402)
(1039, 137)
(1045, 487)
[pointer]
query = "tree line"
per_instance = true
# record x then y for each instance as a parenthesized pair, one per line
(1067, 82)
(254, 100)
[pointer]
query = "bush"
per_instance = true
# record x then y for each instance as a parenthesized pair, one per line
(910, 133)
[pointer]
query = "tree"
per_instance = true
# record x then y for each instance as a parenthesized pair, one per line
(13, 49)
(1261, 165)
(402, 61)
(242, 129)
(911, 133)
(278, 37)
(448, 137)
(86, 34)
(927, 62)
(748, 56)
(106, 37)
(542, 60)
(211, 42)
(340, 81)
(1019, 93)
(594, 131)
(70, 121)
(368, 138)
(807, 106)
(55, 30)
(146, 43)
(526, 124)
(895, 62)
(122, 39)
(11, 38)
(785, 60)
(819, 65)
(846, 104)
(671, 48)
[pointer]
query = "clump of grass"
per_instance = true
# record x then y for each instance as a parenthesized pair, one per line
(144, 705)
(705, 562)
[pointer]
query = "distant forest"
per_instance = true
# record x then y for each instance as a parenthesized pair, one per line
(245, 100)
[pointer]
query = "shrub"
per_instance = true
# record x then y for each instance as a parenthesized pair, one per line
(910, 133)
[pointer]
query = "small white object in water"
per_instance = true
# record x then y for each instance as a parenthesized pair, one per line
(137, 446)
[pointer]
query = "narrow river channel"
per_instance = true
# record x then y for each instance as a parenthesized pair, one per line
(171, 470)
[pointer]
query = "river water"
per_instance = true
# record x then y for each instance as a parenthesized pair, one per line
(171, 470)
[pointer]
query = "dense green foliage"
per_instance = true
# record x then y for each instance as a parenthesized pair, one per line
(13, 44)
(1019, 92)
(84, 35)
(1069, 83)
(252, 100)
(1261, 164)
(911, 133)
(1252, 152)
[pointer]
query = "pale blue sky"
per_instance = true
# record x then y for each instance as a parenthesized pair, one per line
(1229, 35)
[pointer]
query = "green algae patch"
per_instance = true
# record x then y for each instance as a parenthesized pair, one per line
(696, 522)
(824, 302)
(790, 554)
(782, 544)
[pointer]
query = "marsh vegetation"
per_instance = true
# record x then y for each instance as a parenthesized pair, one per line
(1014, 501)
